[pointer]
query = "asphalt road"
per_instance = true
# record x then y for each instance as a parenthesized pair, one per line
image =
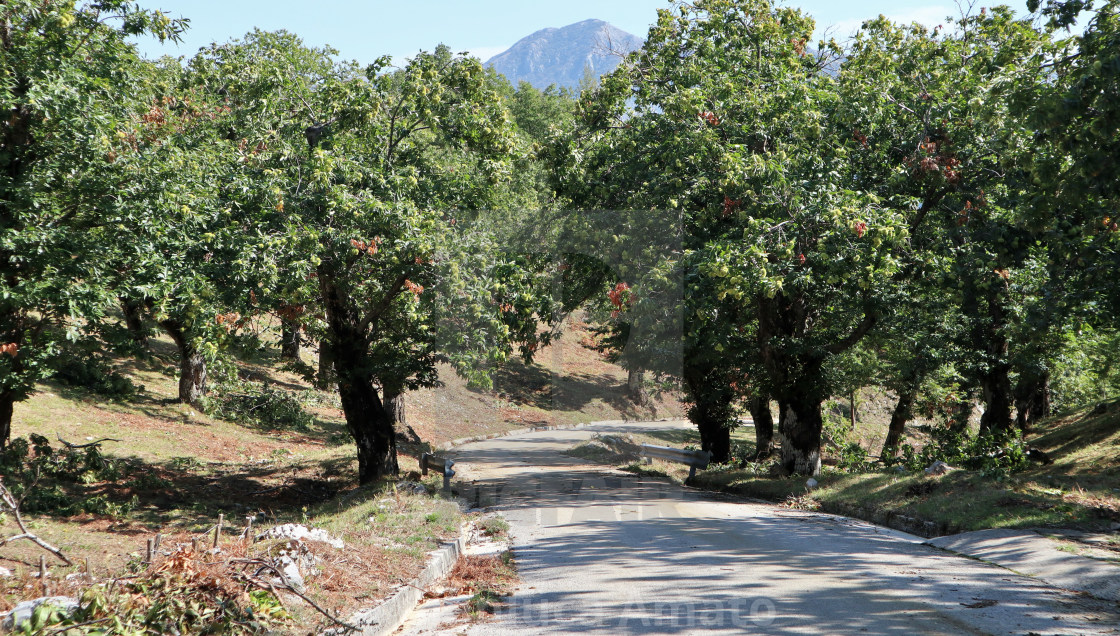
(606, 552)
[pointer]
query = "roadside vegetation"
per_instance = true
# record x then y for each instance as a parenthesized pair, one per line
(1073, 482)
(225, 279)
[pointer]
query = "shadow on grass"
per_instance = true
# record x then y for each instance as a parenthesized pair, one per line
(536, 386)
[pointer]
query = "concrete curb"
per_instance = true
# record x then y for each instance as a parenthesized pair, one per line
(536, 429)
(1029, 552)
(391, 613)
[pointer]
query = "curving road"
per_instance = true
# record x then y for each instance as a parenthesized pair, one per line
(606, 552)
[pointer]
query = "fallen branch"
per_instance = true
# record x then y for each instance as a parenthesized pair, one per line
(10, 501)
(78, 446)
(287, 586)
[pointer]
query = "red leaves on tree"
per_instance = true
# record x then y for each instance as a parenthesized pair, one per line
(369, 248)
(932, 158)
(709, 117)
(730, 205)
(800, 259)
(230, 321)
(619, 296)
(859, 227)
(11, 349)
(413, 287)
(860, 137)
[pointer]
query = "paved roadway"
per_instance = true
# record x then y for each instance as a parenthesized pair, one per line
(605, 552)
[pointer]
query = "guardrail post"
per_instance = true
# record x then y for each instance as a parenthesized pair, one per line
(426, 461)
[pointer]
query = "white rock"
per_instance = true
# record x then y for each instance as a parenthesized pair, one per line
(811, 483)
(938, 468)
(22, 612)
(5, 573)
(300, 532)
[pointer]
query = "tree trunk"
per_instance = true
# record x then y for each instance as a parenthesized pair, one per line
(395, 405)
(903, 411)
(134, 321)
(996, 388)
(1032, 398)
(325, 376)
(289, 340)
(711, 410)
(192, 365)
(369, 422)
(635, 387)
(800, 424)
(7, 408)
(763, 426)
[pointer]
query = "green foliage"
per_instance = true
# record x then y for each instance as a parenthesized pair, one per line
(995, 455)
(178, 600)
(92, 372)
(265, 406)
(49, 481)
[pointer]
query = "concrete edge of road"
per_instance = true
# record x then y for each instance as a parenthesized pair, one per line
(536, 429)
(1028, 552)
(390, 614)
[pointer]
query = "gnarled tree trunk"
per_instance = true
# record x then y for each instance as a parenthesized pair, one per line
(1032, 398)
(395, 405)
(289, 340)
(324, 378)
(763, 426)
(903, 411)
(800, 424)
(635, 387)
(7, 408)
(367, 417)
(192, 364)
(711, 410)
(134, 321)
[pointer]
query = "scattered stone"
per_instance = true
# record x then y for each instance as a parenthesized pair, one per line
(300, 532)
(412, 487)
(22, 612)
(5, 573)
(811, 483)
(938, 468)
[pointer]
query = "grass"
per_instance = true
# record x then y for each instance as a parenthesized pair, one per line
(1081, 489)
(181, 469)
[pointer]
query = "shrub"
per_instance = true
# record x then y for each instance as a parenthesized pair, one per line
(264, 406)
(89, 371)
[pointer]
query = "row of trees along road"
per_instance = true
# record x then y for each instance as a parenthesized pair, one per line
(942, 200)
(915, 208)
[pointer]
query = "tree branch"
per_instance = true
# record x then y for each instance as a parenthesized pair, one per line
(860, 331)
(10, 501)
(383, 306)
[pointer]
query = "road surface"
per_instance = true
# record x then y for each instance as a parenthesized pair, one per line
(601, 551)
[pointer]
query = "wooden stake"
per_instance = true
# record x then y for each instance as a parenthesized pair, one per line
(249, 527)
(159, 540)
(42, 569)
(89, 572)
(218, 529)
(151, 549)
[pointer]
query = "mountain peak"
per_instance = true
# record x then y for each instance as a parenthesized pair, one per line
(560, 55)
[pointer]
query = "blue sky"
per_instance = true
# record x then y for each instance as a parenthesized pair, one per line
(365, 30)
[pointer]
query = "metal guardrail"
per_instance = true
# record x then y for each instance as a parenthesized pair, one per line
(433, 461)
(694, 459)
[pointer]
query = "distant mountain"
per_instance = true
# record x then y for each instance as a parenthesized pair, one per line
(559, 56)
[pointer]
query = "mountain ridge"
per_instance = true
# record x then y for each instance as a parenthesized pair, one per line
(561, 55)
